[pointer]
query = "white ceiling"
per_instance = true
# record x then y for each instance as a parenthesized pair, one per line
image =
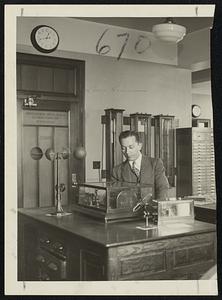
(145, 24)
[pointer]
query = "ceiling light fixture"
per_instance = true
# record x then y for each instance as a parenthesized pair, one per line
(169, 31)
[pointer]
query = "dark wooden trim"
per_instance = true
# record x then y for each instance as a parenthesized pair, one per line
(47, 105)
(19, 155)
(49, 61)
(53, 62)
(51, 96)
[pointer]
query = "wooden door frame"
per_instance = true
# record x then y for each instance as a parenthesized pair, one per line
(77, 115)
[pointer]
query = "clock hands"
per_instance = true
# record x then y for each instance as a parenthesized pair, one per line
(47, 37)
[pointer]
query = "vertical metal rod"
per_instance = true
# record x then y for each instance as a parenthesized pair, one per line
(53, 167)
(57, 182)
(102, 147)
(38, 170)
(57, 170)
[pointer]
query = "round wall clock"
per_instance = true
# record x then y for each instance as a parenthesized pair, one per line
(45, 38)
(196, 111)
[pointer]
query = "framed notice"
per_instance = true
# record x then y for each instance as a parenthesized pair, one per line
(45, 118)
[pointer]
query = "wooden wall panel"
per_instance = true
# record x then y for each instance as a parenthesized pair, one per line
(72, 81)
(60, 80)
(77, 129)
(92, 266)
(29, 77)
(30, 168)
(19, 155)
(18, 77)
(45, 79)
(148, 262)
(46, 168)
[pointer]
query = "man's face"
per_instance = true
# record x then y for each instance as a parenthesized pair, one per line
(130, 148)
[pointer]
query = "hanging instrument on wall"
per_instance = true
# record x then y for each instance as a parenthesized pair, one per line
(113, 123)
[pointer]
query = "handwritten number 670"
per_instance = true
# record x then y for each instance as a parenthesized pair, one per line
(104, 49)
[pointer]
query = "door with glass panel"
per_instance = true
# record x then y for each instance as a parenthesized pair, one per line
(43, 132)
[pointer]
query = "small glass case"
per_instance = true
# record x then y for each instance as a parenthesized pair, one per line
(175, 211)
(110, 201)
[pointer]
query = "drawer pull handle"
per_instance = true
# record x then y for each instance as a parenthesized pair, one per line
(53, 266)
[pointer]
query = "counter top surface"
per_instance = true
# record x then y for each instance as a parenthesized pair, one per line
(114, 234)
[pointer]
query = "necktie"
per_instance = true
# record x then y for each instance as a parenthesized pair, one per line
(135, 170)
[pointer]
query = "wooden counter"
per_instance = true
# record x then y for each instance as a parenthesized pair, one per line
(77, 247)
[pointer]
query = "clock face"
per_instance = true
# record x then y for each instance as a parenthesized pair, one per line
(44, 38)
(196, 111)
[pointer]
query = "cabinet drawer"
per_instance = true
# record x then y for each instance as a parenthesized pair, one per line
(50, 267)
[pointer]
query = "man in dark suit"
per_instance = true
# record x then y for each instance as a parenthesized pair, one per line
(138, 168)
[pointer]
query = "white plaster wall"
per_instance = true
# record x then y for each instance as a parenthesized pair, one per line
(205, 102)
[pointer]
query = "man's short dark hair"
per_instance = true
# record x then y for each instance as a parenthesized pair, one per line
(127, 133)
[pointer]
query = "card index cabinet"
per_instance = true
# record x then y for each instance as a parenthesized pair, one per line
(195, 162)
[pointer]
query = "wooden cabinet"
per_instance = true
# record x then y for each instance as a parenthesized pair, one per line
(92, 267)
(78, 248)
(27, 249)
(49, 254)
(195, 162)
(181, 258)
